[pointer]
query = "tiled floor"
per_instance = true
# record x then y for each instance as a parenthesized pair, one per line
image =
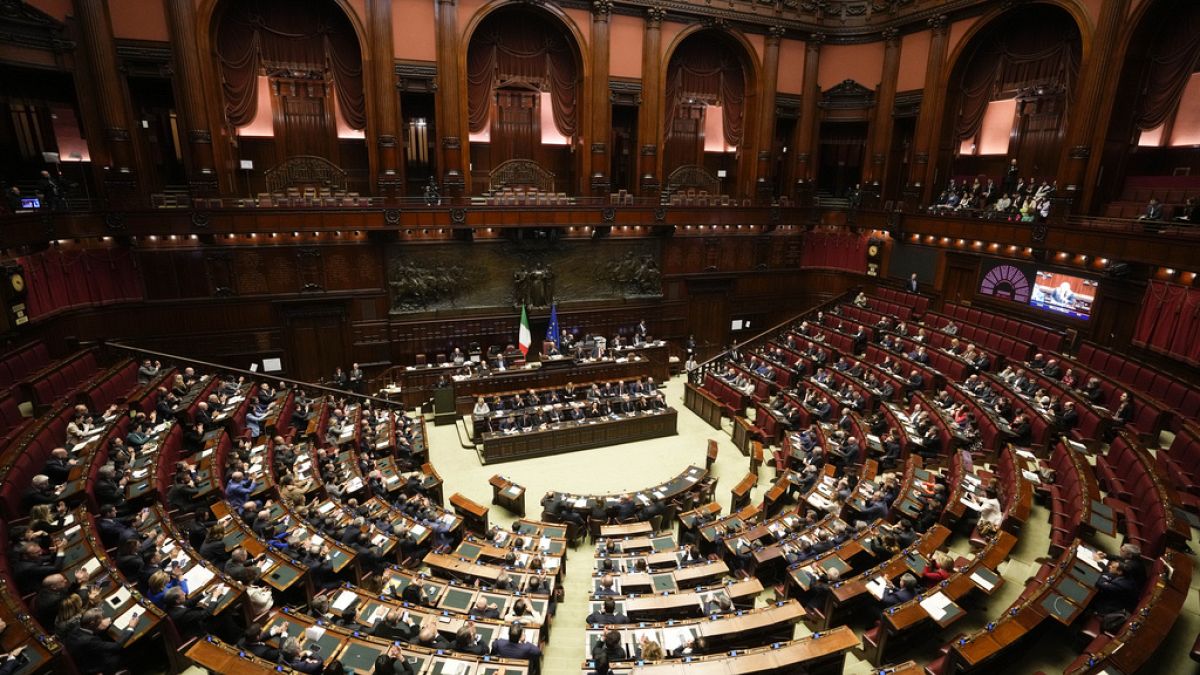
(638, 465)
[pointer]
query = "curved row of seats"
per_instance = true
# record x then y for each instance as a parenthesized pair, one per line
(1172, 392)
(1140, 503)
(1045, 338)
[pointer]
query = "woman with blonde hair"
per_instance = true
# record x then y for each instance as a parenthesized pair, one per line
(651, 650)
(69, 613)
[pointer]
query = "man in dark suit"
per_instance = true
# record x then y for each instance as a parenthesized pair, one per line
(190, 617)
(394, 628)
(1116, 590)
(608, 615)
(1069, 417)
(515, 646)
(912, 286)
(915, 381)
(58, 467)
(91, 647)
(895, 595)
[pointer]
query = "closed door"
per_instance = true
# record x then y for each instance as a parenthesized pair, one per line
(316, 343)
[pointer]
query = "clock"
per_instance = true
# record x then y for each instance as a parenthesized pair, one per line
(873, 250)
(17, 281)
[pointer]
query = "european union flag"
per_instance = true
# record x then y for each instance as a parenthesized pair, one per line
(552, 332)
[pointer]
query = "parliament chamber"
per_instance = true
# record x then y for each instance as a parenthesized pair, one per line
(762, 336)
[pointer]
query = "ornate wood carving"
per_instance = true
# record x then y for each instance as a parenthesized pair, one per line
(305, 171)
(693, 176)
(520, 173)
(847, 94)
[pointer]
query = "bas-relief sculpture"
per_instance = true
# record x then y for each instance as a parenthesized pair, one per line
(510, 274)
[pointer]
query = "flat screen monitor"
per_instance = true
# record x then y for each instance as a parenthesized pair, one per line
(1064, 294)
(31, 203)
(272, 365)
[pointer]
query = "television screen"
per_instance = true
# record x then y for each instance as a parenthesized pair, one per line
(1064, 294)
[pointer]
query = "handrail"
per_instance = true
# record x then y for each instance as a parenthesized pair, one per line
(696, 373)
(141, 352)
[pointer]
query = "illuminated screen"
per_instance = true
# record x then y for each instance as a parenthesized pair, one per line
(1064, 294)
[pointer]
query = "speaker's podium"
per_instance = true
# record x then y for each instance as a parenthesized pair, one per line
(443, 406)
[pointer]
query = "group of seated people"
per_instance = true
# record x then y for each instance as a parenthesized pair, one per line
(1026, 200)
(539, 409)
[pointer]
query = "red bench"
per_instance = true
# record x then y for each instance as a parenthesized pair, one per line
(22, 362)
(1044, 338)
(919, 303)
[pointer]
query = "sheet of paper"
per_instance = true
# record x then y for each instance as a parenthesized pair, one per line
(935, 605)
(126, 620)
(197, 577)
(876, 587)
(981, 582)
(344, 600)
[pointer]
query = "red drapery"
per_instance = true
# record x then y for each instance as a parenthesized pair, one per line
(1016, 54)
(1169, 322)
(710, 71)
(1174, 56)
(58, 279)
(836, 250)
(527, 50)
(274, 35)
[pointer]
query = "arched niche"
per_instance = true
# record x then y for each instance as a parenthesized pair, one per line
(1152, 126)
(310, 62)
(1009, 94)
(524, 89)
(710, 72)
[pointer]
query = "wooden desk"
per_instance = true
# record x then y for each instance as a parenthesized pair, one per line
(572, 436)
(711, 455)
(626, 529)
(474, 515)
(703, 404)
(741, 491)
(507, 494)
(640, 362)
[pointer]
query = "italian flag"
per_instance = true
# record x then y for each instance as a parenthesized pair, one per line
(524, 338)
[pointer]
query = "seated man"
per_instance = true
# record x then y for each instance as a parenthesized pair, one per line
(608, 615)
(515, 646)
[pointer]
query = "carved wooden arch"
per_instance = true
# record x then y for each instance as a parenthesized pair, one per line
(520, 172)
(693, 176)
(207, 14)
(582, 49)
(1073, 9)
(305, 171)
(746, 155)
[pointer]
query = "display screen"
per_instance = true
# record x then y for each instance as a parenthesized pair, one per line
(1064, 294)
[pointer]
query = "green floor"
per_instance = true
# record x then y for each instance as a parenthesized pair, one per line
(637, 465)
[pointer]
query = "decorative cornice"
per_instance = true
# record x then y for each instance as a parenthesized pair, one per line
(415, 70)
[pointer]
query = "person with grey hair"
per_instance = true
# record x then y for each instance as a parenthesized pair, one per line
(93, 650)
(905, 591)
(40, 492)
(298, 659)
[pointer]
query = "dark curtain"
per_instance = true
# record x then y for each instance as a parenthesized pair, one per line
(524, 49)
(1169, 322)
(283, 36)
(835, 250)
(1174, 56)
(60, 280)
(1016, 53)
(709, 71)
